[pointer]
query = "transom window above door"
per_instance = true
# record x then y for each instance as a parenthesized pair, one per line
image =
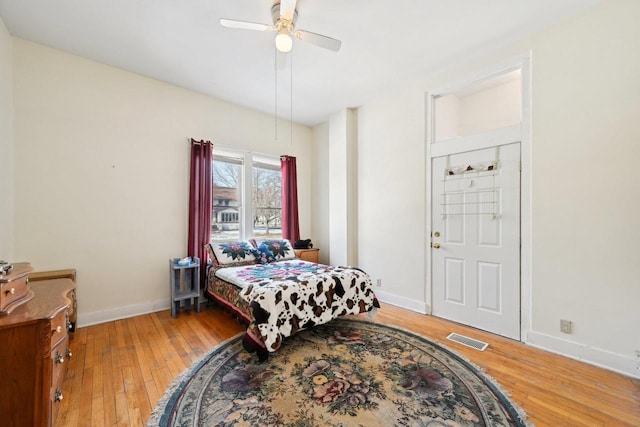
(482, 106)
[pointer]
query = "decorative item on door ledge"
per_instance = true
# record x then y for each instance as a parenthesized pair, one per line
(479, 167)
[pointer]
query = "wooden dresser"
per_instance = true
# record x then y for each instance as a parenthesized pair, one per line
(34, 349)
(310, 255)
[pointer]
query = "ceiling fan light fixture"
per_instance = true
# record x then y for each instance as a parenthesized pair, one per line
(284, 15)
(284, 43)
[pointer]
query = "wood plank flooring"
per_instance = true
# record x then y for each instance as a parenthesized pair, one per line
(120, 369)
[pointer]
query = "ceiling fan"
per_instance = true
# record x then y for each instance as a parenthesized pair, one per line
(284, 16)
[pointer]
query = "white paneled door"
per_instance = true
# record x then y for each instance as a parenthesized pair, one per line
(476, 238)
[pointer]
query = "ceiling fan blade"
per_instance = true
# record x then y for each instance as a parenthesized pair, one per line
(243, 25)
(287, 9)
(319, 40)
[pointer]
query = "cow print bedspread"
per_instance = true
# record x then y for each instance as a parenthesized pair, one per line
(288, 296)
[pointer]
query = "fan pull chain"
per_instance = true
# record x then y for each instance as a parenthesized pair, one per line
(291, 98)
(275, 73)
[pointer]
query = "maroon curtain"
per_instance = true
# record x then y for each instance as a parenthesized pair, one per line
(290, 225)
(200, 183)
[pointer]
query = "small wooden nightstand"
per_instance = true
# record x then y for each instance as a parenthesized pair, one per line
(310, 255)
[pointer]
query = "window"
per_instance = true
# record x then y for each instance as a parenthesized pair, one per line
(267, 200)
(483, 106)
(246, 196)
(231, 217)
(227, 198)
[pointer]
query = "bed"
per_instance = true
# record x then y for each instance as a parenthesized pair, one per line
(276, 295)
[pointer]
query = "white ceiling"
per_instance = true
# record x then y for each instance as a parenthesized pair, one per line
(384, 43)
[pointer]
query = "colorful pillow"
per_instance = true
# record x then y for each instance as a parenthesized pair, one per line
(263, 254)
(231, 253)
(281, 249)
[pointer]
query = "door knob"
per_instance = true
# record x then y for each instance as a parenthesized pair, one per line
(436, 245)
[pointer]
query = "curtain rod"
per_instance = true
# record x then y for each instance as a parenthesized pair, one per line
(237, 150)
(198, 142)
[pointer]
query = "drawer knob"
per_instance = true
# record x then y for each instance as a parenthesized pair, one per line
(68, 353)
(59, 358)
(57, 396)
(10, 291)
(58, 328)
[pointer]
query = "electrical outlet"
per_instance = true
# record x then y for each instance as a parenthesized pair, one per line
(378, 283)
(565, 326)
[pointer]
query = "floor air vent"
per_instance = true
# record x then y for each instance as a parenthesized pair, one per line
(469, 342)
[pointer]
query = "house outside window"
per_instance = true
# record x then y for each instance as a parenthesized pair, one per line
(246, 196)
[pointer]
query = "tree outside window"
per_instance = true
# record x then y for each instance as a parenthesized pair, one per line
(267, 201)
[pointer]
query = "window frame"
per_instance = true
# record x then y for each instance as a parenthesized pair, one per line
(246, 160)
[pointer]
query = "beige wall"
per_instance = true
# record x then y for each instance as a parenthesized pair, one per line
(391, 195)
(320, 190)
(101, 173)
(342, 177)
(6, 144)
(585, 191)
(586, 230)
(84, 199)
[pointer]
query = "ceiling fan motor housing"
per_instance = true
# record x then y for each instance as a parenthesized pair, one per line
(280, 23)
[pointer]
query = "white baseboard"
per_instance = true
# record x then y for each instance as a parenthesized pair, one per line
(594, 356)
(96, 317)
(409, 304)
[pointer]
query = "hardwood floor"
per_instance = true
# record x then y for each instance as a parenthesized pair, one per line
(120, 369)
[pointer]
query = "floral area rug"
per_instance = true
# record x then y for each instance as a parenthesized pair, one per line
(344, 373)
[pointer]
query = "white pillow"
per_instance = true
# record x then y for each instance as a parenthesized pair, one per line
(233, 252)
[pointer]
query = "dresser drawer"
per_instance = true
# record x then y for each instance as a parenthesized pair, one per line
(59, 327)
(60, 355)
(12, 291)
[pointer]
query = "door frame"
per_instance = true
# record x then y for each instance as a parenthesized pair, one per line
(518, 133)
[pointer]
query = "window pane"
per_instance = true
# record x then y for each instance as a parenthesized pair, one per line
(484, 106)
(267, 206)
(227, 196)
